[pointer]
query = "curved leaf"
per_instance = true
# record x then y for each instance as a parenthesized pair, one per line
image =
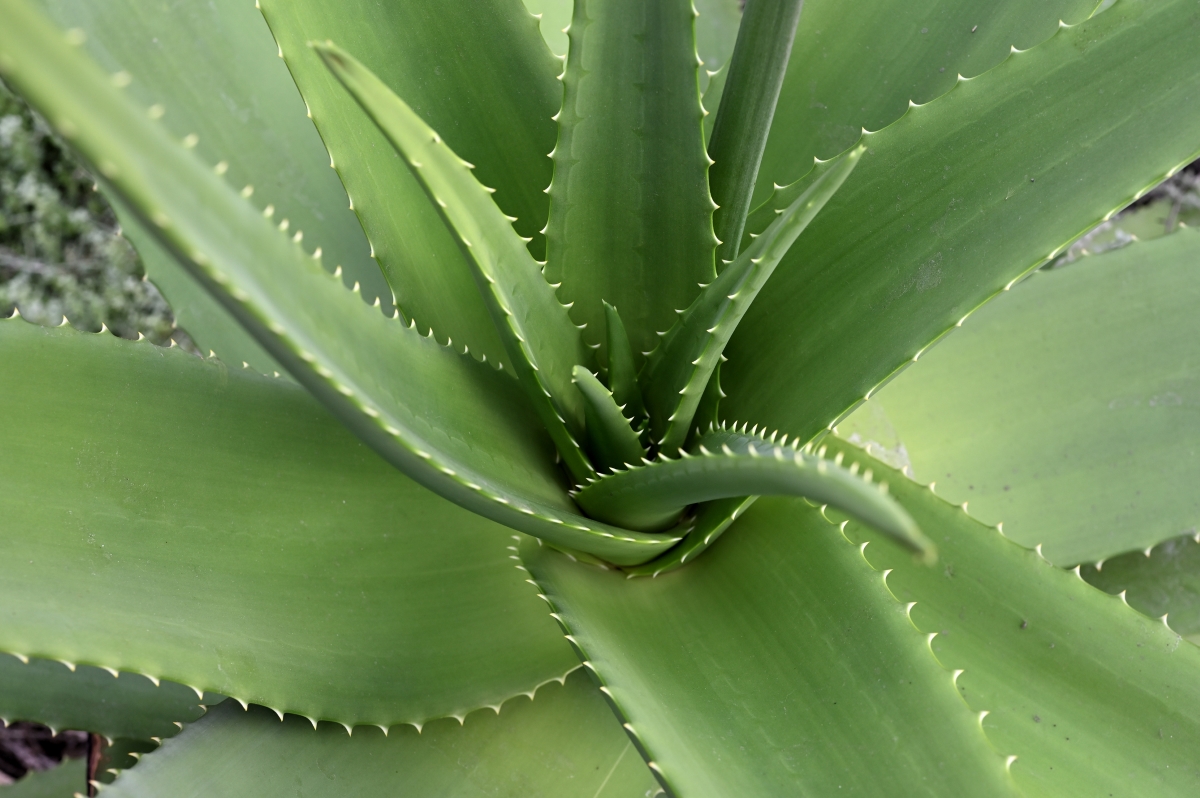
(653, 496)
(542, 343)
(167, 515)
(630, 109)
(478, 72)
(678, 371)
(927, 228)
(1070, 409)
(213, 69)
(858, 63)
(473, 440)
(72, 696)
(710, 521)
(563, 743)
(727, 670)
(776, 664)
(612, 442)
(622, 373)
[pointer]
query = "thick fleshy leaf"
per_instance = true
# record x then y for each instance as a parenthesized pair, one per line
(473, 439)
(926, 229)
(858, 63)
(563, 743)
(733, 465)
(65, 781)
(479, 73)
(1081, 694)
(709, 523)
(70, 696)
(171, 516)
(1090, 697)
(630, 216)
(542, 343)
(212, 69)
(612, 442)
(775, 664)
(1069, 409)
(679, 369)
(1163, 582)
(622, 371)
(749, 91)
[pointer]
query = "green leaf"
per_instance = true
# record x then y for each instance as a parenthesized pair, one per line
(710, 521)
(736, 465)
(563, 743)
(1089, 696)
(631, 109)
(213, 69)
(168, 515)
(776, 664)
(716, 26)
(622, 373)
(478, 72)
(858, 64)
(926, 229)
(472, 440)
(612, 443)
(1162, 582)
(72, 696)
(678, 371)
(537, 333)
(749, 92)
(728, 669)
(1070, 409)
(65, 781)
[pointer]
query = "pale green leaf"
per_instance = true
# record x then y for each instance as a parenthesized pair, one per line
(927, 228)
(167, 515)
(776, 663)
(562, 744)
(478, 72)
(858, 63)
(1068, 409)
(474, 440)
(1091, 697)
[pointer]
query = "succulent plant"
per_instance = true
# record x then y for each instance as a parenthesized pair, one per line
(623, 381)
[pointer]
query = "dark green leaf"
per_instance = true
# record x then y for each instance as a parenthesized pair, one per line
(1162, 582)
(622, 373)
(630, 215)
(112, 704)
(65, 781)
(611, 441)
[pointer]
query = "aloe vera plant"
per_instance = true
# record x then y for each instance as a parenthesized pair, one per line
(589, 345)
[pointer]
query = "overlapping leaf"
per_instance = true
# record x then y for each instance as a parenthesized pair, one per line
(1069, 409)
(472, 439)
(563, 743)
(175, 517)
(927, 228)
